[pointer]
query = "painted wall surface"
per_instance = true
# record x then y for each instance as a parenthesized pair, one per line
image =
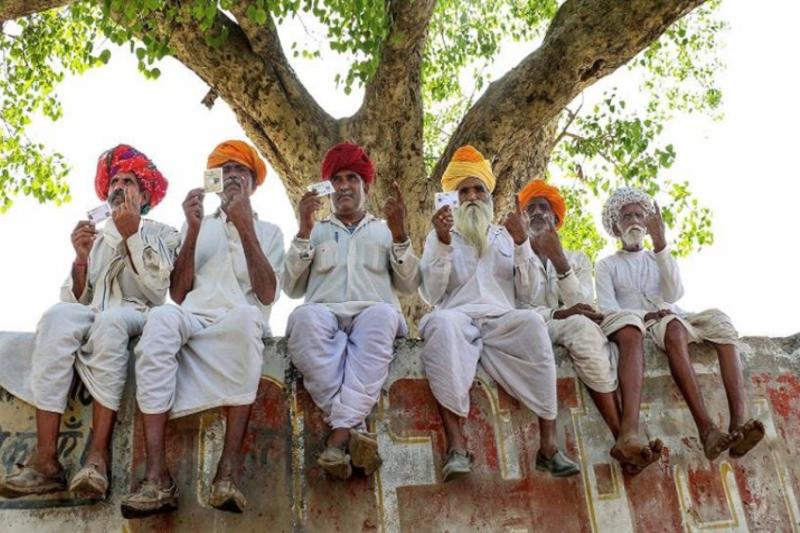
(287, 491)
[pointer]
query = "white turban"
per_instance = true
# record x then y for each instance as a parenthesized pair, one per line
(619, 199)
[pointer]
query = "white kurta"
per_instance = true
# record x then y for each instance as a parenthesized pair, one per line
(645, 281)
(91, 333)
(594, 356)
(475, 320)
(341, 339)
(208, 352)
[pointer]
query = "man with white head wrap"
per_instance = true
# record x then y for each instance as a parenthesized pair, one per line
(477, 275)
(649, 283)
(595, 341)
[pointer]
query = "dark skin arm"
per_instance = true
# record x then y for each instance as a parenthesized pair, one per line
(262, 276)
(654, 315)
(182, 277)
(82, 240)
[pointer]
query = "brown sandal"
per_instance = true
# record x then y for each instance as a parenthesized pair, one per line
(752, 432)
(364, 451)
(226, 496)
(27, 481)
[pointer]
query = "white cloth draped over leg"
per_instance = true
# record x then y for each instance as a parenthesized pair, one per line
(344, 362)
(95, 344)
(185, 365)
(513, 348)
(711, 325)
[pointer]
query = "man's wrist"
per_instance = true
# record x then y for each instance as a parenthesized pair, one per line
(78, 262)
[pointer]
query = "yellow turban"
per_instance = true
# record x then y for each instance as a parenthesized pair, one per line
(241, 152)
(467, 162)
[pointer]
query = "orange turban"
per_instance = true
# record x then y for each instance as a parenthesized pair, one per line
(467, 162)
(241, 152)
(538, 188)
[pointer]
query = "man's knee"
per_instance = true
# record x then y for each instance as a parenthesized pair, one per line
(57, 313)
(675, 332)
(438, 322)
(531, 319)
(627, 336)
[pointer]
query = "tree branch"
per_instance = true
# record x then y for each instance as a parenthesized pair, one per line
(587, 40)
(14, 9)
(251, 73)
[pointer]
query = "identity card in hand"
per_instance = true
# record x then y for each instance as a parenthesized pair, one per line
(446, 198)
(212, 180)
(99, 214)
(323, 188)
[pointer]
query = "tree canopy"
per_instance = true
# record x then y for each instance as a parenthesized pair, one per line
(424, 68)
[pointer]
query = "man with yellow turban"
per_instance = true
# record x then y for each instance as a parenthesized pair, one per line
(206, 351)
(594, 341)
(349, 266)
(479, 276)
(648, 282)
(120, 271)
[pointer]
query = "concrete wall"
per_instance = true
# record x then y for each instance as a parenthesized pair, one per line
(287, 491)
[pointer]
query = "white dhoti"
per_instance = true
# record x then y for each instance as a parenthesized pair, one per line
(593, 355)
(711, 325)
(95, 344)
(185, 364)
(344, 362)
(514, 349)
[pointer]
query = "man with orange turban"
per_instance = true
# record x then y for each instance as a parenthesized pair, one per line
(206, 351)
(648, 283)
(119, 272)
(479, 276)
(348, 266)
(594, 341)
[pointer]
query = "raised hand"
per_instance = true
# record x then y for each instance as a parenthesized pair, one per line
(309, 204)
(395, 212)
(82, 240)
(443, 222)
(193, 207)
(548, 244)
(239, 211)
(516, 223)
(655, 227)
(127, 216)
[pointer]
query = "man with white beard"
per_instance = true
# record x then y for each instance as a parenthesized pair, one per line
(649, 283)
(602, 347)
(477, 274)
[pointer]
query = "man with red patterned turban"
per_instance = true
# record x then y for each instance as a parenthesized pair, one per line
(207, 351)
(348, 266)
(479, 276)
(595, 341)
(119, 272)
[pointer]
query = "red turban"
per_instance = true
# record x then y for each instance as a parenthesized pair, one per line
(348, 156)
(124, 158)
(539, 188)
(241, 152)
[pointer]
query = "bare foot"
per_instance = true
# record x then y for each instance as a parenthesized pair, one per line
(752, 432)
(715, 442)
(631, 450)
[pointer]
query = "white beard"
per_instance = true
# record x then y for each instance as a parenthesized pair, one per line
(634, 236)
(472, 220)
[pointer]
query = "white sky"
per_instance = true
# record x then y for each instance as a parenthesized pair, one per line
(742, 168)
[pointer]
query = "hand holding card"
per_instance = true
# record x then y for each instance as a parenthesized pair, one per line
(212, 180)
(99, 214)
(323, 188)
(445, 198)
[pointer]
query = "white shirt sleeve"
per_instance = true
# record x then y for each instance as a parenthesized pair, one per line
(527, 288)
(275, 253)
(435, 268)
(604, 284)
(670, 276)
(404, 266)
(577, 287)
(297, 267)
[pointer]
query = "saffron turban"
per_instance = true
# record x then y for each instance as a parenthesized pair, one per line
(241, 152)
(619, 199)
(467, 162)
(348, 156)
(539, 188)
(124, 158)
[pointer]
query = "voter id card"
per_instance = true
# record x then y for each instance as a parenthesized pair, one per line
(323, 188)
(446, 198)
(212, 180)
(99, 214)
